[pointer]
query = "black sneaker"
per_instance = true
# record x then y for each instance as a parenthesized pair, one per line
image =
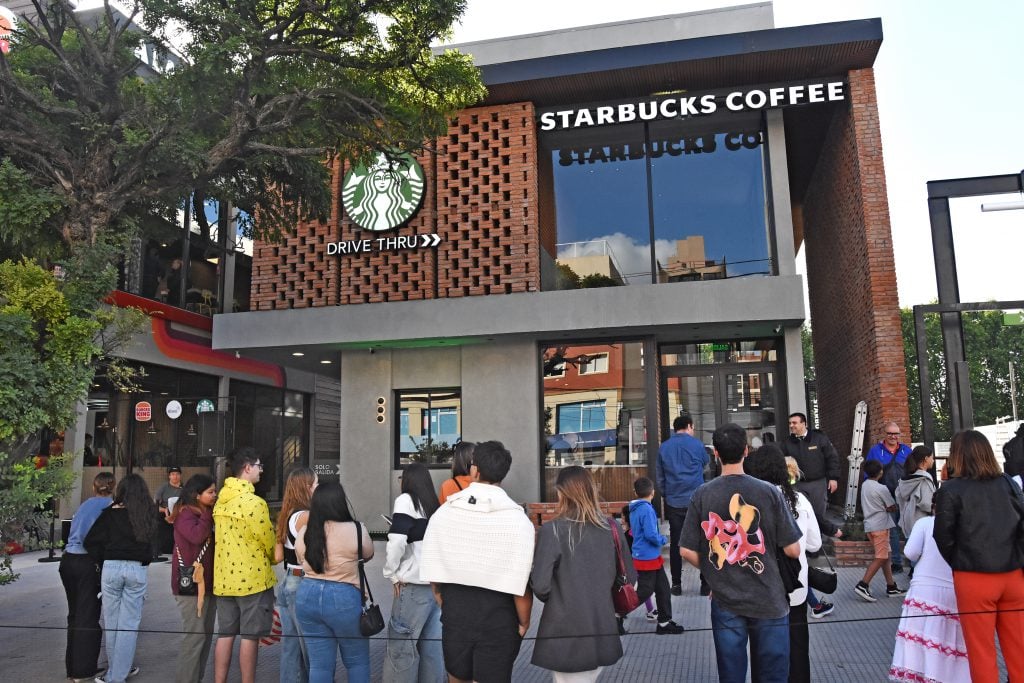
(894, 590)
(677, 589)
(864, 592)
(822, 610)
(897, 569)
(670, 627)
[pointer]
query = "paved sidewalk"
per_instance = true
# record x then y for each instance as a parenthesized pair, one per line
(853, 644)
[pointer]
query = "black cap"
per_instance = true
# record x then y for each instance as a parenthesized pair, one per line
(174, 469)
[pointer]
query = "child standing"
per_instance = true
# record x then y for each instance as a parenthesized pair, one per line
(876, 503)
(652, 614)
(646, 552)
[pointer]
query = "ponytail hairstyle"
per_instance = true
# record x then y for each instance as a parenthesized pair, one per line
(329, 504)
(103, 484)
(133, 495)
(296, 497)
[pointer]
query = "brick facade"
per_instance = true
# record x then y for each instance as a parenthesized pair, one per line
(851, 272)
(480, 198)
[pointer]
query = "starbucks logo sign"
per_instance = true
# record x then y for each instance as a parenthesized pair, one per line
(384, 195)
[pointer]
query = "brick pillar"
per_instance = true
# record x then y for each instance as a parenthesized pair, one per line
(851, 273)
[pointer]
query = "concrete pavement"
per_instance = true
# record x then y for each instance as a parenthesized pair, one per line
(853, 644)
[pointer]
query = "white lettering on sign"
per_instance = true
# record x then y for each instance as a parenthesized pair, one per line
(392, 243)
(682, 106)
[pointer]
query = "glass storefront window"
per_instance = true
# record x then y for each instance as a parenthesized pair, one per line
(429, 426)
(595, 419)
(714, 353)
(665, 201)
(708, 192)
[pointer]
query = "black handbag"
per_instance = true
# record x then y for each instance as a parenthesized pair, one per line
(371, 621)
(822, 579)
(187, 575)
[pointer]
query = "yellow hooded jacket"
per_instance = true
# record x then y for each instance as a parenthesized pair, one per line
(245, 541)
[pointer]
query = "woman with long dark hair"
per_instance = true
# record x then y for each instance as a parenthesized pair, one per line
(121, 542)
(462, 459)
(574, 567)
(978, 530)
(768, 464)
(294, 514)
(193, 541)
(414, 630)
(81, 578)
(328, 601)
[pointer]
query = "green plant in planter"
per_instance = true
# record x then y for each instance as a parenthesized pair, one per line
(853, 530)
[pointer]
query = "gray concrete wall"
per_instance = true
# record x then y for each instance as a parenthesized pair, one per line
(644, 31)
(500, 386)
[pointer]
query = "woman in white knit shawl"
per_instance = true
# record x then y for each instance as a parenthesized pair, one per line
(477, 554)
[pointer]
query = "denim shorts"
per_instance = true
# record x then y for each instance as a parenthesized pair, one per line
(250, 616)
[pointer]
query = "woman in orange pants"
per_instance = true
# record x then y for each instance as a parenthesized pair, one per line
(979, 530)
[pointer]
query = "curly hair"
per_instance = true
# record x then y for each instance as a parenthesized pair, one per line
(768, 463)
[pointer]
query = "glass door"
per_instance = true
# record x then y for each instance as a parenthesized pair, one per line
(693, 394)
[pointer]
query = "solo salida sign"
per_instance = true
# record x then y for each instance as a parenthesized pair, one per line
(383, 196)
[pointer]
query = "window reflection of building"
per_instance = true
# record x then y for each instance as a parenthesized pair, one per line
(591, 258)
(690, 263)
(594, 414)
(429, 425)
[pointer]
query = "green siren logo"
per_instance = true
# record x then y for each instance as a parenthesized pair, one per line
(384, 195)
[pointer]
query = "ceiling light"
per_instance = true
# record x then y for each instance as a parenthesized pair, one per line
(298, 353)
(326, 362)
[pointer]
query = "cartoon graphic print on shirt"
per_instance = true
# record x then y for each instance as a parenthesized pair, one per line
(737, 540)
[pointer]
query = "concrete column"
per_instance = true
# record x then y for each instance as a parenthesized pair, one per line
(794, 380)
(782, 208)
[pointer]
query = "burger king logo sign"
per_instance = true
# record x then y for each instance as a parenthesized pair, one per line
(8, 23)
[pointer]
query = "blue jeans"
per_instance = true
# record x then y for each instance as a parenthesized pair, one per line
(329, 617)
(123, 584)
(294, 658)
(769, 646)
(414, 638)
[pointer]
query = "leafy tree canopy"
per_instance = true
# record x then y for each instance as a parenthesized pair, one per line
(257, 96)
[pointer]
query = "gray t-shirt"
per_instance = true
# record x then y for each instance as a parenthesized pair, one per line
(737, 525)
(874, 498)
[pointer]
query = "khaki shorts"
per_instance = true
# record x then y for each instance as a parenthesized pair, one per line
(880, 539)
(250, 616)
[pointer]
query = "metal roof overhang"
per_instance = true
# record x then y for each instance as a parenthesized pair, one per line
(766, 56)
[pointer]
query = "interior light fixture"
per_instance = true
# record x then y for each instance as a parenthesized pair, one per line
(298, 354)
(326, 362)
(1002, 206)
(152, 428)
(191, 430)
(104, 424)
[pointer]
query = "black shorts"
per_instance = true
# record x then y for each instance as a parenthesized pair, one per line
(481, 656)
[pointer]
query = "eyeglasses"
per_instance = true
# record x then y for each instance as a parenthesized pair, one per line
(258, 465)
(892, 433)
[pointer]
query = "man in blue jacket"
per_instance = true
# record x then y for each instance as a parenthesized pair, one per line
(680, 470)
(893, 455)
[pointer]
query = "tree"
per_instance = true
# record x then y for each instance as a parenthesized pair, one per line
(262, 95)
(989, 347)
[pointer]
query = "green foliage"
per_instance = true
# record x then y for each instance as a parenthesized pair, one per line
(566, 277)
(989, 347)
(24, 491)
(258, 96)
(807, 344)
(25, 212)
(598, 280)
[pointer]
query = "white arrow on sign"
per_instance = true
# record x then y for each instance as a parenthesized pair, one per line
(430, 240)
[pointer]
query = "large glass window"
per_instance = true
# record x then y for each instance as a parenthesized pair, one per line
(595, 419)
(429, 425)
(665, 201)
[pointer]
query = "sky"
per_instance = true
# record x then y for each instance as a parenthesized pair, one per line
(950, 100)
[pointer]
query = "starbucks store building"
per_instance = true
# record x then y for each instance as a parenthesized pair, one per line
(608, 239)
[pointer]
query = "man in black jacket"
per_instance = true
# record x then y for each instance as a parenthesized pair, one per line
(819, 462)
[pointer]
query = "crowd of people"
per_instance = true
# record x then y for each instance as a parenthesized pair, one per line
(466, 564)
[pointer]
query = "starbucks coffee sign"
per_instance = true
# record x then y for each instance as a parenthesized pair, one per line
(385, 194)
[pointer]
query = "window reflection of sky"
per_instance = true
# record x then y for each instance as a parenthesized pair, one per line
(600, 190)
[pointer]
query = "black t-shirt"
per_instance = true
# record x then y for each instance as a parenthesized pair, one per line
(477, 609)
(738, 525)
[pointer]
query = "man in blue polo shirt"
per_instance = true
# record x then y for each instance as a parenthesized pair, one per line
(680, 470)
(892, 455)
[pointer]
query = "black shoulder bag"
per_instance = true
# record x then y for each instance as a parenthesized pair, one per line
(187, 575)
(371, 622)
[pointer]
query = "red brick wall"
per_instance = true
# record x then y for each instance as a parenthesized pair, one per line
(481, 198)
(296, 272)
(851, 274)
(487, 209)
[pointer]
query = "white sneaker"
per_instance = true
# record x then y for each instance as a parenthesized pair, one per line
(134, 671)
(652, 615)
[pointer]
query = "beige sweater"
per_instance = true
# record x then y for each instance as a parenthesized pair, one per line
(341, 564)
